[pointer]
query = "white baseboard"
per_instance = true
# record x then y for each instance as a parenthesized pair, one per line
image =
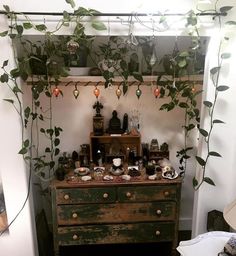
(185, 224)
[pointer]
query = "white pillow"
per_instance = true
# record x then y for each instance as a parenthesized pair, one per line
(208, 244)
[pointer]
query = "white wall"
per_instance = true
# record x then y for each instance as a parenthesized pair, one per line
(221, 170)
(20, 240)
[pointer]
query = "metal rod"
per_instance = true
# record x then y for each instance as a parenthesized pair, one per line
(117, 14)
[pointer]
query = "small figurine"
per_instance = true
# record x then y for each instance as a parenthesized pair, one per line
(114, 124)
(125, 123)
(164, 147)
(98, 106)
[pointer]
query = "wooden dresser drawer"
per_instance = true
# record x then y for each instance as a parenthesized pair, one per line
(115, 213)
(119, 233)
(86, 195)
(147, 193)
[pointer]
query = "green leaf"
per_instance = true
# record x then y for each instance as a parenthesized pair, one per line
(5, 63)
(137, 76)
(4, 78)
(57, 151)
(9, 100)
(98, 25)
(200, 160)
(222, 88)
(41, 27)
(231, 22)
(15, 72)
(6, 7)
(209, 181)
(217, 121)
(42, 130)
(19, 29)
(56, 142)
(208, 103)
(4, 33)
(124, 88)
(183, 105)
(71, 3)
(16, 89)
(27, 25)
(23, 151)
(26, 143)
(190, 127)
(123, 65)
(27, 112)
(184, 54)
(50, 131)
(203, 132)
(225, 55)
(47, 150)
(214, 70)
(52, 164)
(213, 153)
(195, 182)
(66, 16)
(225, 8)
(182, 63)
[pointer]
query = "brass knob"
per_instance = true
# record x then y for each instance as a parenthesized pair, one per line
(74, 215)
(166, 193)
(105, 195)
(128, 194)
(75, 237)
(158, 212)
(66, 196)
(158, 233)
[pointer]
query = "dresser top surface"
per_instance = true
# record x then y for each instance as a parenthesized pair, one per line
(72, 181)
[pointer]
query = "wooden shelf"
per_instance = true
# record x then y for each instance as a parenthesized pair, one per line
(99, 80)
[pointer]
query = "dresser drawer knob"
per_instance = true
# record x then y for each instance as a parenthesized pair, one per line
(166, 193)
(66, 197)
(75, 237)
(158, 233)
(128, 194)
(105, 195)
(158, 212)
(74, 215)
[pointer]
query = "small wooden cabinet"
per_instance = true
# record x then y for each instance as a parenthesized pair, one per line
(114, 146)
(113, 212)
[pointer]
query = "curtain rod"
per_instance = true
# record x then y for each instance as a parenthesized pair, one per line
(118, 14)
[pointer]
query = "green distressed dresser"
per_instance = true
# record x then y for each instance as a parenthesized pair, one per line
(117, 211)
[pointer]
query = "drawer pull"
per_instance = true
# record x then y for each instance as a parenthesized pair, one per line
(166, 193)
(66, 197)
(128, 194)
(75, 237)
(105, 195)
(158, 212)
(74, 215)
(158, 233)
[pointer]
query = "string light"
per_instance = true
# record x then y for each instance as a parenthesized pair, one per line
(156, 92)
(76, 91)
(96, 91)
(138, 92)
(118, 92)
(56, 91)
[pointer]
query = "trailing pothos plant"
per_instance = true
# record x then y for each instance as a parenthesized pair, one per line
(210, 105)
(47, 58)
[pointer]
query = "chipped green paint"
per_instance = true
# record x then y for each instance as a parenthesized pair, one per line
(115, 213)
(117, 233)
(147, 193)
